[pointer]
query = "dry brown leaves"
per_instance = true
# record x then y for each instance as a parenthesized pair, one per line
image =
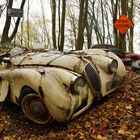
(116, 117)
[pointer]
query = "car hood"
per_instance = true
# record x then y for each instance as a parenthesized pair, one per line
(35, 58)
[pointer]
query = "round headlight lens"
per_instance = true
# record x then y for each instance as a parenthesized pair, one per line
(78, 84)
(113, 66)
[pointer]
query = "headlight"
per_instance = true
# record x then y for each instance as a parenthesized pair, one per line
(113, 66)
(78, 84)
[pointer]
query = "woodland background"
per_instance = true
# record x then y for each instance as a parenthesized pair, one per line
(75, 24)
(70, 24)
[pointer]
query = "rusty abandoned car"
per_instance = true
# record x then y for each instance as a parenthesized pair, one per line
(51, 85)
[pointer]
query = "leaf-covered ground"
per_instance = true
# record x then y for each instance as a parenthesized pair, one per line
(116, 117)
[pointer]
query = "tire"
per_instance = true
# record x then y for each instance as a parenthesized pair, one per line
(35, 109)
(136, 65)
(25, 90)
(127, 61)
(112, 48)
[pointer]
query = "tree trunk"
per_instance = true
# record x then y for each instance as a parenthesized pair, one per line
(130, 15)
(59, 23)
(53, 7)
(4, 37)
(61, 46)
(17, 23)
(81, 24)
(89, 30)
(89, 35)
(115, 11)
(103, 23)
(96, 24)
(5, 33)
(109, 40)
(122, 37)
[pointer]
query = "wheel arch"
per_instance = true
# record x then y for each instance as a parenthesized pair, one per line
(24, 91)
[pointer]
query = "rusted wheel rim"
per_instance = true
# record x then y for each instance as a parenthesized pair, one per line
(35, 109)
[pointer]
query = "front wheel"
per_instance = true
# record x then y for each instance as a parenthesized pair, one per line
(35, 109)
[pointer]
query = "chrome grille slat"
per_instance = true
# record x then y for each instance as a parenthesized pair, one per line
(93, 77)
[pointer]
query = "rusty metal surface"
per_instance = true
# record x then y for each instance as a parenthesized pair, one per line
(52, 74)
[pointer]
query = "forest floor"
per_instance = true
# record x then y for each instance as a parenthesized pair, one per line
(115, 117)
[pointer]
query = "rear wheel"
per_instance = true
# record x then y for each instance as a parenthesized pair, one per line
(35, 109)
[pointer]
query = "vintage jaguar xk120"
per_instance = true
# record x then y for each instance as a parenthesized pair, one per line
(52, 85)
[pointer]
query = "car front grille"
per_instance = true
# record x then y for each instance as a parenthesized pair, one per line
(93, 77)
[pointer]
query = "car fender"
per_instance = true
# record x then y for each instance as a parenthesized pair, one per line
(55, 97)
(121, 68)
(109, 81)
(59, 99)
(4, 88)
(18, 78)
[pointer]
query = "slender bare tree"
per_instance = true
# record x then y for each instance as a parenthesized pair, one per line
(122, 37)
(53, 8)
(131, 32)
(72, 23)
(28, 23)
(61, 46)
(5, 38)
(82, 24)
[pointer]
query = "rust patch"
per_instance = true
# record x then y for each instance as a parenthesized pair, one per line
(41, 92)
(42, 72)
(16, 98)
(39, 50)
(88, 57)
(81, 53)
(65, 85)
